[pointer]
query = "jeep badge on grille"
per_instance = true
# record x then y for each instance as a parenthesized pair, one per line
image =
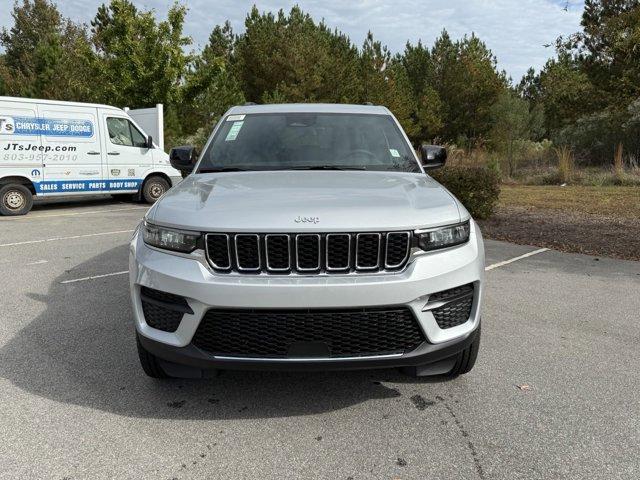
(300, 219)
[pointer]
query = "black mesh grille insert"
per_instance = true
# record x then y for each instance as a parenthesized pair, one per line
(218, 250)
(163, 310)
(457, 310)
(248, 252)
(397, 249)
(165, 297)
(277, 247)
(368, 250)
(276, 333)
(338, 254)
(308, 252)
(161, 318)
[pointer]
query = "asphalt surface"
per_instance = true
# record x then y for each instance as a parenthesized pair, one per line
(554, 393)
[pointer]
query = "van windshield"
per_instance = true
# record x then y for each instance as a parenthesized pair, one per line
(308, 141)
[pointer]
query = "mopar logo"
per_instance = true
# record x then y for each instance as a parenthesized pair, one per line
(6, 125)
(35, 172)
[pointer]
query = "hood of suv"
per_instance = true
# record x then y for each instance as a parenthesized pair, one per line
(293, 201)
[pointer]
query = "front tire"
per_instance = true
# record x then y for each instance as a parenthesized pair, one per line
(149, 362)
(451, 367)
(154, 188)
(466, 359)
(15, 199)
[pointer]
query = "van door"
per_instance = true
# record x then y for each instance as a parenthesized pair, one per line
(128, 158)
(73, 158)
(20, 147)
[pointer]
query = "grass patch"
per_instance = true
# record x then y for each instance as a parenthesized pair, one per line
(616, 202)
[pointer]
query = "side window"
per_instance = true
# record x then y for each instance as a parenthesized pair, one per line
(137, 137)
(122, 132)
(119, 132)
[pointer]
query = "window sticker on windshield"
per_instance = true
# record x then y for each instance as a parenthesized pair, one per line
(233, 132)
(235, 118)
(394, 153)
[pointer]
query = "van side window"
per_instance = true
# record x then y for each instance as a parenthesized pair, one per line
(123, 132)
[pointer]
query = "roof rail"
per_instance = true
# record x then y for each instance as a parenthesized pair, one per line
(246, 104)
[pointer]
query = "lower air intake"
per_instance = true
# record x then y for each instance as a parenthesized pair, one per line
(163, 310)
(321, 333)
(456, 306)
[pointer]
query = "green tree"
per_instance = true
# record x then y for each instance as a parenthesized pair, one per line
(428, 108)
(529, 87)
(3, 85)
(512, 122)
(46, 55)
(385, 82)
(467, 82)
(210, 86)
(588, 91)
(565, 93)
(429, 116)
(477, 88)
(140, 61)
(609, 49)
(296, 58)
(418, 63)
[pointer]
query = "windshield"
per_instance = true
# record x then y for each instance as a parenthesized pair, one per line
(281, 141)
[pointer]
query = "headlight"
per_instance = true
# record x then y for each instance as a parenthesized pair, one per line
(444, 237)
(169, 238)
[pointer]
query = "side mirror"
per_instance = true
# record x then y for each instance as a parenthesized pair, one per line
(433, 156)
(183, 158)
(149, 141)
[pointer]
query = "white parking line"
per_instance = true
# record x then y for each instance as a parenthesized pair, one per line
(86, 212)
(515, 259)
(37, 262)
(93, 277)
(56, 239)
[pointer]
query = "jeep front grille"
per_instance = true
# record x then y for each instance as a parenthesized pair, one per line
(308, 253)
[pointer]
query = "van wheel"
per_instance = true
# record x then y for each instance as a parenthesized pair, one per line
(15, 199)
(149, 362)
(154, 188)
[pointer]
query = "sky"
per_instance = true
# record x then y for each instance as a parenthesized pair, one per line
(515, 30)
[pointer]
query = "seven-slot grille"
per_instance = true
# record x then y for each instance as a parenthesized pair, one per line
(308, 253)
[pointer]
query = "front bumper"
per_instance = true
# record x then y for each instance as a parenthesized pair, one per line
(190, 276)
(439, 357)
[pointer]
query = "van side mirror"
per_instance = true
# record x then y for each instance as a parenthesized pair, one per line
(433, 156)
(149, 142)
(183, 158)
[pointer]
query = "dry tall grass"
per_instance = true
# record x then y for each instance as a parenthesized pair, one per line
(618, 164)
(566, 163)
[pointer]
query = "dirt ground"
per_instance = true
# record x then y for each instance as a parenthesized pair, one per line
(568, 231)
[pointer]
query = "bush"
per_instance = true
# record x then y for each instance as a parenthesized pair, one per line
(478, 188)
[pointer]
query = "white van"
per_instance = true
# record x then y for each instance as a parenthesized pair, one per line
(50, 148)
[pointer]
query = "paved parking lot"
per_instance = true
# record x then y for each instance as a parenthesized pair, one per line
(75, 404)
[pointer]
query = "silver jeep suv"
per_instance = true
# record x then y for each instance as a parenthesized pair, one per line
(307, 237)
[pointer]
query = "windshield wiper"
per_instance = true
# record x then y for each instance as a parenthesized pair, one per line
(224, 169)
(327, 167)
